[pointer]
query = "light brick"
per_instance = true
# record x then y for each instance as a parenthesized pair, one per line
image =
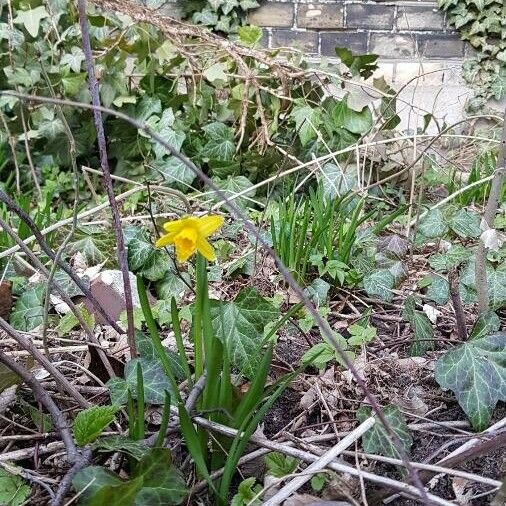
(370, 16)
(321, 16)
(440, 46)
(306, 41)
(389, 45)
(424, 17)
(354, 41)
(275, 14)
(430, 74)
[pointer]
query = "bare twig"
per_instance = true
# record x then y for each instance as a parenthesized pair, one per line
(45, 399)
(63, 488)
(196, 392)
(104, 162)
(43, 361)
(335, 466)
(320, 464)
(488, 223)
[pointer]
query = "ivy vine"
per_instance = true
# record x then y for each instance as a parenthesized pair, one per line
(225, 16)
(479, 23)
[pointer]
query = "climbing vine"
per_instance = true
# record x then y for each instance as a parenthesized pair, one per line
(220, 15)
(479, 23)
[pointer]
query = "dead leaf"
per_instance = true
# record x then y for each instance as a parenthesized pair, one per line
(463, 490)
(5, 299)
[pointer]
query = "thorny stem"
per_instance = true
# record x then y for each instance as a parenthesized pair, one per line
(239, 214)
(104, 162)
(45, 399)
(488, 220)
(13, 207)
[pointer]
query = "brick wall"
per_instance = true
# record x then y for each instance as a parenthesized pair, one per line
(397, 30)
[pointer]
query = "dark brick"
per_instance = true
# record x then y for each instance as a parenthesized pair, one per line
(390, 45)
(274, 14)
(425, 17)
(440, 46)
(370, 16)
(354, 41)
(307, 41)
(322, 16)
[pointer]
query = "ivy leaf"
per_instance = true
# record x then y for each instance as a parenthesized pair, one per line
(73, 59)
(118, 391)
(250, 35)
(162, 483)
(145, 259)
(456, 255)
(422, 328)
(216, 72)
(357, 122)
(233, 185)
(393, 245)
(240, 324)
(31, 19)
(98, 486)
(90, 423)
(438, 290)
(118, 443)
(155, 380)
(174, 171)
(379, 284)
(307, 120)
(487, 323)
(465, 224)
(13, 489)
(221, 143)
(334, 181)
(476, 373)
(29, 309)
(433, 225)
(376, 439)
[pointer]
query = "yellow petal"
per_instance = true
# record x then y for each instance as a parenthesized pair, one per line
(183, 254)
(209, 224)
(206, 249)
(175, 226)
(164, 240)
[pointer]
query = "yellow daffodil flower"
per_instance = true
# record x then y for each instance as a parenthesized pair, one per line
(190, 235)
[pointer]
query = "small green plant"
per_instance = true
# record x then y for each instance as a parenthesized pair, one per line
(317, 231)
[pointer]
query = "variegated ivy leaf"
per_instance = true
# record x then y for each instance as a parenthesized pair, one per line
(476, 373)
(240, 325)
(438, 290)
(379, 284)
(433, 225)
(423, 332)
(487, 323)
(465, 224)
(450, 259)
(376, 440)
